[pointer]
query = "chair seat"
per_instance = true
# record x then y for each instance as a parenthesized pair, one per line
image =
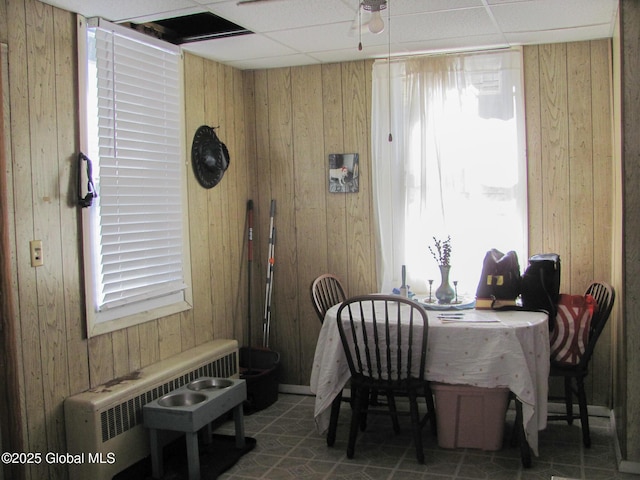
(560, 370)
(393, 386)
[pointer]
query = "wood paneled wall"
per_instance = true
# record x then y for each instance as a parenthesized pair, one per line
(302, 115)
(570, 170)
(42, 137)
(279, 126)
(55, 359)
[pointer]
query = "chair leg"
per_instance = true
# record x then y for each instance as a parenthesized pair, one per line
(365, 409)
(333, 422)
(357, 395)
(568, 399)
(515, 434)
(584, 414)
(431, 410)
(415, 425)
(525, 449)
(391, 401)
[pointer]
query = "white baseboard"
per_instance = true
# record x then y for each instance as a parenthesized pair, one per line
(295, 389)
(594, 411)
(304, 390)
(624, 466)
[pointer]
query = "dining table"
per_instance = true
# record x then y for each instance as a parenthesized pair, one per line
(482, 348)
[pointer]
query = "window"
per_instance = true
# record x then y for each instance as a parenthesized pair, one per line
(135, 232)
(456, 165)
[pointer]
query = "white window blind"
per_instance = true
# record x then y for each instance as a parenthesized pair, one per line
(137, 227)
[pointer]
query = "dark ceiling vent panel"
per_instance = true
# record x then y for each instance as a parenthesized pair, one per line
(190, 28)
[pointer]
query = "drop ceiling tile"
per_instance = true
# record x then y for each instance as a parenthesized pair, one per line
(164, 15)
(460, 44)
(439, 25)
(121, 10)
(409, 7)
(349, 54)
(280, 15)
(239, 48)
(274, 62)
(551, 14)
(497, 2)
(321, 38)
(558, 36)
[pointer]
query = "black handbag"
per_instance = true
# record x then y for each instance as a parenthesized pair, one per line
(541, 284)
(500, 281)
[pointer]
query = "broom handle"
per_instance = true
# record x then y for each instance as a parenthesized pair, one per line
(250, 261)
(270, 261)
(267, 325)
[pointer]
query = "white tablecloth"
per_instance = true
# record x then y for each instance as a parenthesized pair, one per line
(487, 349)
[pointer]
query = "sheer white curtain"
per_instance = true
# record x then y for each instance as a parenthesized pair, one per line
(456, 165)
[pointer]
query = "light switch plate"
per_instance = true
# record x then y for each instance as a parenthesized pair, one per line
(37, 258)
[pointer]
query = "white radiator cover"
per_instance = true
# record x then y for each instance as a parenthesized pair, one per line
(104, 424)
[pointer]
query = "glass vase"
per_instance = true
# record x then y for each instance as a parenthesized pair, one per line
(445, 293)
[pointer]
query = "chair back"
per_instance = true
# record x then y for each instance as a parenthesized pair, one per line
(326, 291)
(384, 339)
(604, 295)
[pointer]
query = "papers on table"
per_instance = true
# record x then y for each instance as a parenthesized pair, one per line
(463, 317)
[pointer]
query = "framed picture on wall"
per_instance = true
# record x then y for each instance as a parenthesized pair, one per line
(344, 174)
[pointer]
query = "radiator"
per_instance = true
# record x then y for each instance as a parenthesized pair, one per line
(105, 432)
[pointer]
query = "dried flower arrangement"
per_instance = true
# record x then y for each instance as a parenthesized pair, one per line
(442, 252)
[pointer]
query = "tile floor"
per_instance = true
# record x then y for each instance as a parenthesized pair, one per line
(288, 447)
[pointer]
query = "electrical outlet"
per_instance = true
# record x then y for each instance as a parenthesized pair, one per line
(37, 258)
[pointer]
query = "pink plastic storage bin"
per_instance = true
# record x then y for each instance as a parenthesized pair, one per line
(470, 417)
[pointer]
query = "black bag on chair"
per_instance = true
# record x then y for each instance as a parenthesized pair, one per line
(500, 280)
(541, 284)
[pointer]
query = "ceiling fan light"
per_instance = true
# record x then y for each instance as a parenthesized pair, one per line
(374, 5)
(376, 25)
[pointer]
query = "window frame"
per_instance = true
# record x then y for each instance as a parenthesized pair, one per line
(139, 312)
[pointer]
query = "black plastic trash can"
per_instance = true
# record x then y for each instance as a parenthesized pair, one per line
(260, 370)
